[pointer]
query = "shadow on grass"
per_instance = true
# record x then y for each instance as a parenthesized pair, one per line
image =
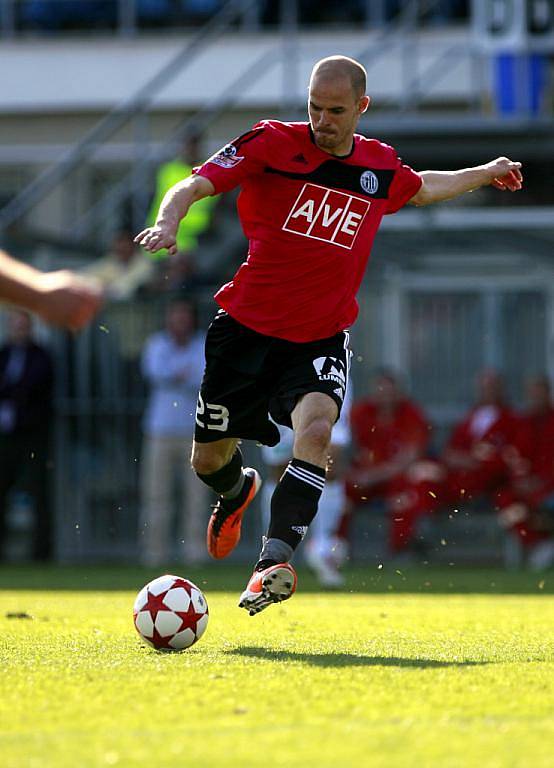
(346, 659)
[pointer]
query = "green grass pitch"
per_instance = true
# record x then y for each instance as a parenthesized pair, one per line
(431, 667)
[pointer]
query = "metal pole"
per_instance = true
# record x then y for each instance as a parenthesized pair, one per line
(289, 30)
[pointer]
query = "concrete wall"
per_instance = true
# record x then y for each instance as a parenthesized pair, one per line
(68, 75)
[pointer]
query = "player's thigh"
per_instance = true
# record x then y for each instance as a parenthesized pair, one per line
(312, 381)
(232, 404)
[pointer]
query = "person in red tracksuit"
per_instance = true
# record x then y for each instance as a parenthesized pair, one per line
(532, 484)
(391, 437)
(477, 458)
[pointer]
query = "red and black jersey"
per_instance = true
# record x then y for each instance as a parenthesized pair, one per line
(310, 219)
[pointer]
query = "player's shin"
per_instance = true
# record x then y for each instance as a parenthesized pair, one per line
(227, 481)
(293, 507)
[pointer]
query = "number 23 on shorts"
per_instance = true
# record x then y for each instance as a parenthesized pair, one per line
(212, 416)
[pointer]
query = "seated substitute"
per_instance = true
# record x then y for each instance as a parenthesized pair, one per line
(312, 198)
(477, 457)
(391, 437)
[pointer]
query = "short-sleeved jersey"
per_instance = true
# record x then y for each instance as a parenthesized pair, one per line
(379, 440)
(310, 219)
(497, 428)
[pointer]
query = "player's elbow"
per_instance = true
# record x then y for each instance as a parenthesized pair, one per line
(423, 197)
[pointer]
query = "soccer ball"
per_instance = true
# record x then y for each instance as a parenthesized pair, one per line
(170, 613)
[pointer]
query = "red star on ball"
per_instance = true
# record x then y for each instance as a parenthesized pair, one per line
(155, 603)
(189, 618)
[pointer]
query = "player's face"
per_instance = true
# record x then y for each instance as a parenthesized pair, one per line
(334, 111)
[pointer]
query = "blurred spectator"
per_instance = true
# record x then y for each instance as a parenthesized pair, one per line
(325, 550)
(178, 274)
(55, 15)
(527, 503)
(199, 219)
(390, 439)
(26, 382)
(477, 455)
(124, 270)
(172, 364)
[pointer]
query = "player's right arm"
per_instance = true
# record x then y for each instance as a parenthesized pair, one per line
(173, 208)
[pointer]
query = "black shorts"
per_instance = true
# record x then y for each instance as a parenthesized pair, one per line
(250, 377)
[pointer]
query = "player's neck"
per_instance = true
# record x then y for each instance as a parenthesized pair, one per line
(341, 152)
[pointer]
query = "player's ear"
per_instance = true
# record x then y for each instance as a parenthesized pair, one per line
(363, 106)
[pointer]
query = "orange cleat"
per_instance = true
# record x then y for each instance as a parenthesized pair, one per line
(272, 585)
(225, 522)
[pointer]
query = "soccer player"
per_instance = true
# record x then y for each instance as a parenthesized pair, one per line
(313, 195)
(59, 298)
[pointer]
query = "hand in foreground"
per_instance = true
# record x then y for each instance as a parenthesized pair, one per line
(505, 174)
(66, 299)
(156, 237)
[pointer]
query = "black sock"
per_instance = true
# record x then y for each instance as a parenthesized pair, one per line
(228, 479)
(294, 501)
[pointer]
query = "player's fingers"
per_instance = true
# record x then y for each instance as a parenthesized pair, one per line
(517, 178)
(511, 182)
(138, 238)
(172, 249)
(498, 184)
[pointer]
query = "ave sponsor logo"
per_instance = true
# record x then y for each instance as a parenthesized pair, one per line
(328, 215)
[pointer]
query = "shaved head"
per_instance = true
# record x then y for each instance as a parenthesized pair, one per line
(338, 67)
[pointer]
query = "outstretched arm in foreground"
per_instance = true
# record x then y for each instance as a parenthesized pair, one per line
(501, 173)
(173, 208)
(59, 298)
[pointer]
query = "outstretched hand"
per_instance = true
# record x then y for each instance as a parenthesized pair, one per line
(66, 299)
(505, 174)
(157, 237)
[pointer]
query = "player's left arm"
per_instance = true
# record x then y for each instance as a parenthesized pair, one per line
(502, 173)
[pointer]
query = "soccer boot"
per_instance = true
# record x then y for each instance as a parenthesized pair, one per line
(272, 585)
(225, 522)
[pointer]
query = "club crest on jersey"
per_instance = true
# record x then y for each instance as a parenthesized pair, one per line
(226, 157)
(325, 214)
(369, 182)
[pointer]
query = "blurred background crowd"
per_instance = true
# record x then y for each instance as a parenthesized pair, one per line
(446, 452)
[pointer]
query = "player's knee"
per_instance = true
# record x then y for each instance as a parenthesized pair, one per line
(205, 462)
(316, 434)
